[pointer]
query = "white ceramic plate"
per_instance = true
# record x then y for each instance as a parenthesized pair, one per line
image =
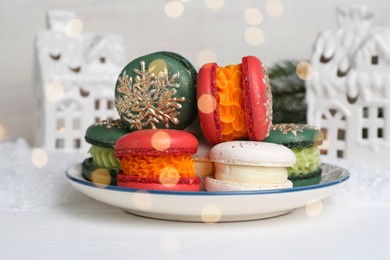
(206, 206)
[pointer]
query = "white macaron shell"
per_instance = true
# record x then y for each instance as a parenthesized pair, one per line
(213, 184)
(252, 153)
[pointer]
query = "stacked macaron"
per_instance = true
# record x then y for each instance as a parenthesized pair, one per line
(303, 140)
(155, 97)
(103, 167)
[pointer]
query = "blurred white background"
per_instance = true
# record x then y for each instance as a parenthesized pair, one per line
(201, 30)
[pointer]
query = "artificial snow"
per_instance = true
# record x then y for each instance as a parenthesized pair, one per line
(25, 186)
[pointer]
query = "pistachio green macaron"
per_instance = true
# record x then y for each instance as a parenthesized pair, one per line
(303, 140)
(103, 165)
(157, 91)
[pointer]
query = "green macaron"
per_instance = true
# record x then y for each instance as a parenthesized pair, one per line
(157, 91)
(303, 140)
(102, 136)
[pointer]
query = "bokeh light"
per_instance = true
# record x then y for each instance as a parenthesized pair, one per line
(254, 36)
(275, 8)
(304, 70)
(169, 176)
(211, 214)
(174, 9)
(74, 28)
(214, 4)
(170, 243)
(158, 66)
(2, 132)
(185, 1)
(39, 157)
(314, 208)
(161, 141)
(101, 177)
(253, 16)
(206, 56)
(142, 200)
(207, 103)
(55, 91)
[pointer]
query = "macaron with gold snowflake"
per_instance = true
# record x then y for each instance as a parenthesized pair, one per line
(157, 91)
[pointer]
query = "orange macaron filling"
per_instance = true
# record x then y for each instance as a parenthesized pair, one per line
(167, 166)
(231, 102)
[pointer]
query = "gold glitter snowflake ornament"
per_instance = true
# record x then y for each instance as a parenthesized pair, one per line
(150, 100)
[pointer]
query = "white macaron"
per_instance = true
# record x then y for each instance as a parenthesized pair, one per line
(249, 165)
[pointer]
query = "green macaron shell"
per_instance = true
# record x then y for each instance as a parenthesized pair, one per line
(89, 166)
(157, 91)
(294, 135)
(106, 133)
(307, 179)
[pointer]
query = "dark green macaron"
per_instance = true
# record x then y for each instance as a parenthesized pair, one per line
(303, 140)
(157, 91)
(102, 136)
(92, 172)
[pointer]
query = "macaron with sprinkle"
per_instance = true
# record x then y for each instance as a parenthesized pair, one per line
(303, 140)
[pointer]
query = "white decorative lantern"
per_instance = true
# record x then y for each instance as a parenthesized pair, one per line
(349, 94)
(75, 75)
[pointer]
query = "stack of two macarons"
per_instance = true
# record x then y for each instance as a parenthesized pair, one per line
(235, 111)
(235, 104)
(156, 98)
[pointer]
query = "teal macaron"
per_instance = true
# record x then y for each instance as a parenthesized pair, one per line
(103, 165)
(303, 140)
(157, 90)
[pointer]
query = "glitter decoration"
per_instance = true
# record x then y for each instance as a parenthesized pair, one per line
(169, 177)
(211, 214)
(150, 100)
(207, 103)
(254, 36)
(39, 157)
(142, 200)
(74, 28)
(291, 128)
(161, 141)
(313, 208)
(174, 9)
(101, 177)
(109, 123)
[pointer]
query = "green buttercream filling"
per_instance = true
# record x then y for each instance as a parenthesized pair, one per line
(307, 160)
(104, 157)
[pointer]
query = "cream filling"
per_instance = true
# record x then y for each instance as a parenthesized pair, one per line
(250, 174)
(203, 168)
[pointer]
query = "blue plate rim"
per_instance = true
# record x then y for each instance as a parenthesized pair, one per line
(345, 176)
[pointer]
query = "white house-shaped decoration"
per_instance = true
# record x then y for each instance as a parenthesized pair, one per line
(349, 94)
(74, 80)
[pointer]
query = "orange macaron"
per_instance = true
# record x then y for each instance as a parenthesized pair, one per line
(157, 159)
(234, 102)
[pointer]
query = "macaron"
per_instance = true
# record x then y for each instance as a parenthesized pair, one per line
(303, 140)
(249, 165)
(234, 102)
(158, 159)
(157, 91)
(103, 166)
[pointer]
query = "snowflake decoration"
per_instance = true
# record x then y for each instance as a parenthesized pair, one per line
(150, 100)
